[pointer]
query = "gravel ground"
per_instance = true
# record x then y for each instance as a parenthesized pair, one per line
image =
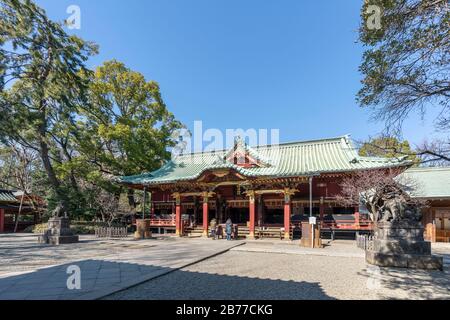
(396, 283)
(250, 275)
(240, 274)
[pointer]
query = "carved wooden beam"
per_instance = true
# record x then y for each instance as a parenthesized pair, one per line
(177, 197)
(207, 194)
(251, 195)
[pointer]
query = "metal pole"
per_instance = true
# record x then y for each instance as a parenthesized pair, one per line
(143, 205)
(310, 197)
(150, 205)
(311, 210)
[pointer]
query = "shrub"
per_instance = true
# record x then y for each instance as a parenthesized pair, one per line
(78, 227)
(37, 228)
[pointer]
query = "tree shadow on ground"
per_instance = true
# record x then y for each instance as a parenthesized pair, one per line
(100, 278)
(188, 285)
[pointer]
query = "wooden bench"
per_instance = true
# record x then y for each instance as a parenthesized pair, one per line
(442, 235)
(272, 233)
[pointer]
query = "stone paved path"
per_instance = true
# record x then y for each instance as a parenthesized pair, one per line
(106, 266)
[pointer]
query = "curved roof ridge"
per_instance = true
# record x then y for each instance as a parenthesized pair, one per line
(328, 155)
(283, 144)
(425, 169)
(300, 142)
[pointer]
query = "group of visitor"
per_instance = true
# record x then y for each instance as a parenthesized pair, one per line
(217, 230)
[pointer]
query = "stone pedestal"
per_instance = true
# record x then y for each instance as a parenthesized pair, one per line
(142, 229)
(58, 232)
(401, 244)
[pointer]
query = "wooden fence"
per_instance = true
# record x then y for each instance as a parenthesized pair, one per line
(364, 241)
(114, 232)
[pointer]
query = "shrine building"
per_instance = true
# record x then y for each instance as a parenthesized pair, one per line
(271, 187)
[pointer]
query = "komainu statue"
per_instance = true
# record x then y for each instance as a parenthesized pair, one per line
(58, 230)
(398, 233)
(391, 203)
(59, 211)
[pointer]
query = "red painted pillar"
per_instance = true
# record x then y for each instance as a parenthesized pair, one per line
(173, 215)
(252, 215)
(152, 206)
(2, 220)
(357, 216)
(178, 220)
(287, 216)
(205, 215)
(153, 210)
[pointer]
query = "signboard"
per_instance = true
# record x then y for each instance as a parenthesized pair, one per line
(312, 220)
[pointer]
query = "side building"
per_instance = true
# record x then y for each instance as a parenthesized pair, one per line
(18, 211)
(433, 186)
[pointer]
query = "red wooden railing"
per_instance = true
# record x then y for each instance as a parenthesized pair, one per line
(360, 222)
(162, 222)
(336, 224)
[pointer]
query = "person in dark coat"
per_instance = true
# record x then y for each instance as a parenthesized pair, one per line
(229, 228)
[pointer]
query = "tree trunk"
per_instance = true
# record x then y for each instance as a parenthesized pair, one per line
(73, 181)
(18, 213)
(131, 200)
(54, 182)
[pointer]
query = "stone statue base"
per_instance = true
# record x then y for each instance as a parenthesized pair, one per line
(58, 232)
(401, 244)
(143, 230)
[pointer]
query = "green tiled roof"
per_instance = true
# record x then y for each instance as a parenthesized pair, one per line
(284, 160)
(7, 196)
(429, 182)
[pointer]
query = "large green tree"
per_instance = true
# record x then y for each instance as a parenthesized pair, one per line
(388, 147)
(85, 127)
(406, 65)
(41, 84)
(127, 125)
(124, 129)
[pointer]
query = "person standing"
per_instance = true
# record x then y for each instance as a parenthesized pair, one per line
(229, 228)
(212, 226)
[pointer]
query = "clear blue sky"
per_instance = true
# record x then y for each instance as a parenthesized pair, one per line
(288, 65)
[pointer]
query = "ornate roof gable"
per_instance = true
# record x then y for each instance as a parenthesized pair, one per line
(242, 155)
